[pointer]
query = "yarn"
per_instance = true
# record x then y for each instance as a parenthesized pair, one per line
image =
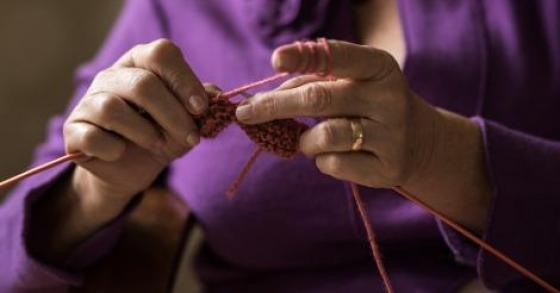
(232, 190)
(371, 237)
(41, 168)
(281, 137)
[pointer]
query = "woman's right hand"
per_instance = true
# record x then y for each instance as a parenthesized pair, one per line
(135, 119)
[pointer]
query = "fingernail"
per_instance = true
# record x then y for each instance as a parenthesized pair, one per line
(193, 139)
(243, 112)
(197, 103)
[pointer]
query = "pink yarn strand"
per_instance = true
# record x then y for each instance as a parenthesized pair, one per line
(241, 89)
(13, 180)
(234, 188)
(371, 238)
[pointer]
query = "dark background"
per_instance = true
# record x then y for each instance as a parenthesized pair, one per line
(41, 44)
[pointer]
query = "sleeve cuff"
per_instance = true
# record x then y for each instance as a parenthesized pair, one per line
(30, 272)
(43, 275)
(464, 250)
(523, 219)
(102, 242)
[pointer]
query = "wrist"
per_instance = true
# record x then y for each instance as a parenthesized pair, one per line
(96, 203)
(428, 132)
(453, 177)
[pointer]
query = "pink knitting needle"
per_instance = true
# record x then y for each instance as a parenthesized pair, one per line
(13, 180)
(486, 246)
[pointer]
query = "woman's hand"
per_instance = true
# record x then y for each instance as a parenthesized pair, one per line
(407, 142)
(399, 128)
(135, 119)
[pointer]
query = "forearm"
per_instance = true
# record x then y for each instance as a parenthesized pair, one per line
(455, 180)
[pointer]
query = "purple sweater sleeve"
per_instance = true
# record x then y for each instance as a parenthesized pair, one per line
(139, 22)
(523, 220)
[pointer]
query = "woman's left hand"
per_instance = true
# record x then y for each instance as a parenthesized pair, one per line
(370, 91)
(431, 152)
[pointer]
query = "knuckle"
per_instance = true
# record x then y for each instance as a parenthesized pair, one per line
(67, 132)
(142, 82)
(108, 103)
(117, 152)
(175, 80)
(317, 97)
(390, 60)
(388, 63)
(335, 164)
(88, 138)
(331, 164)
(181, 119)
(360, 97)
(100, 80)
(161, 49)
(270, 106)
(343, 54)
(137, 48)
(149, 138)
(109, 107)
(326, 137)
(102, 75)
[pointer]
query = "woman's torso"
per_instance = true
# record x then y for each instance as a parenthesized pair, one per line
(291, 228)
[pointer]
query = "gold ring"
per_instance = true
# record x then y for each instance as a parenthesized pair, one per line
(357, 134)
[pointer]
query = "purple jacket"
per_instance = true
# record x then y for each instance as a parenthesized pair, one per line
(292, 229)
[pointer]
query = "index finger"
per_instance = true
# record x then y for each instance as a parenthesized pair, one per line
(342, 59)
(165, 59)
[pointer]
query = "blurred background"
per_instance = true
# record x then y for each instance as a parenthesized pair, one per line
(42, 43)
